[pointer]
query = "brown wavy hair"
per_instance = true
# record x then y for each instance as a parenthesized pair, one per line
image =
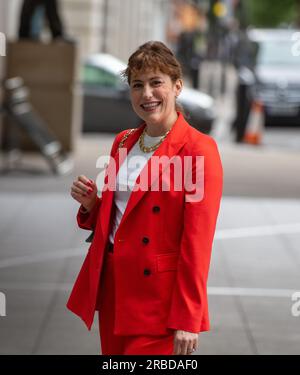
(154, 55)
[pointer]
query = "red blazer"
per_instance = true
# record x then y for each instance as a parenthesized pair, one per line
(162, 247)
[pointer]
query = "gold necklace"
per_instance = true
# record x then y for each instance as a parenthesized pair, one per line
(153, 147)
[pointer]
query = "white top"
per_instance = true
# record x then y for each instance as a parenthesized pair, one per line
(126, 177)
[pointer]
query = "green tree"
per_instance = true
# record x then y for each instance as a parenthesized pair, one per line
(272, 13)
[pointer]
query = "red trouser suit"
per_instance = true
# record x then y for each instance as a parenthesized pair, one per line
(162, 251)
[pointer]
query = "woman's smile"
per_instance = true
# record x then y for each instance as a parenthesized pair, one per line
(151, 106)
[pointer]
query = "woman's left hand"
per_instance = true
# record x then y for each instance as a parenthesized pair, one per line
(185, 342)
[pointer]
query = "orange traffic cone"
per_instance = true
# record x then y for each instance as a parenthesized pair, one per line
(255, 124)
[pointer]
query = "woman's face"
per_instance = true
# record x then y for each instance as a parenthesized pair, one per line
(153, 96)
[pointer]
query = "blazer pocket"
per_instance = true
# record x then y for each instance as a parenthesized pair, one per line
(166, 262)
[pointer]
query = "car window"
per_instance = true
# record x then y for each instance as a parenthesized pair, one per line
(97, 76)
(276, 53)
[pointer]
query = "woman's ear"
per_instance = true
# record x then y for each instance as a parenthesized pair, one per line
(178, 87)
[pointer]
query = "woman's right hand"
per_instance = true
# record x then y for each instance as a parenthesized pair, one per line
(84, 191)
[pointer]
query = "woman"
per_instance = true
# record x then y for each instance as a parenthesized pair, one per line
(147, 266)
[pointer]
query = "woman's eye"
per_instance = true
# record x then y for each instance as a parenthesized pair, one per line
(136, 85)
(156, 83)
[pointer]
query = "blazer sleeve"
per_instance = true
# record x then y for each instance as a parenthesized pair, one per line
(88, 220)
(189, 305)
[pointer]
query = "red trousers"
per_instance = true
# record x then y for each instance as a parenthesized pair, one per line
(112, 344)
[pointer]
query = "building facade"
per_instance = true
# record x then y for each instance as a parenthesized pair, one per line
(113, 26)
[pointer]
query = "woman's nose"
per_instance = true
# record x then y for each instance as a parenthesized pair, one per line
(147, 92)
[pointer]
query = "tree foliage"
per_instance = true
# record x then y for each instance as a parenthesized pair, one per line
(271, 13)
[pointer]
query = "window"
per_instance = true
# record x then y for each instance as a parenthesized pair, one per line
(97, 76)
(276, 52)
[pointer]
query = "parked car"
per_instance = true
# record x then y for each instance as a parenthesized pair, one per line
(107, 106)
(269, 71)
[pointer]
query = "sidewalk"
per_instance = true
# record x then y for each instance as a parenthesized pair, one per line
(254, 269)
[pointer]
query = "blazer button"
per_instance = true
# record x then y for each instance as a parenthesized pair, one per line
(156, 209)
(147, 272)
(145, 240)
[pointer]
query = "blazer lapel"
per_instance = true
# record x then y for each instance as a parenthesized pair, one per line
(111, 173)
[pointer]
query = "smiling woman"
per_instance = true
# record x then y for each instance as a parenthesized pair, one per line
(155, 80)
(147, 266)
(153, 99)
